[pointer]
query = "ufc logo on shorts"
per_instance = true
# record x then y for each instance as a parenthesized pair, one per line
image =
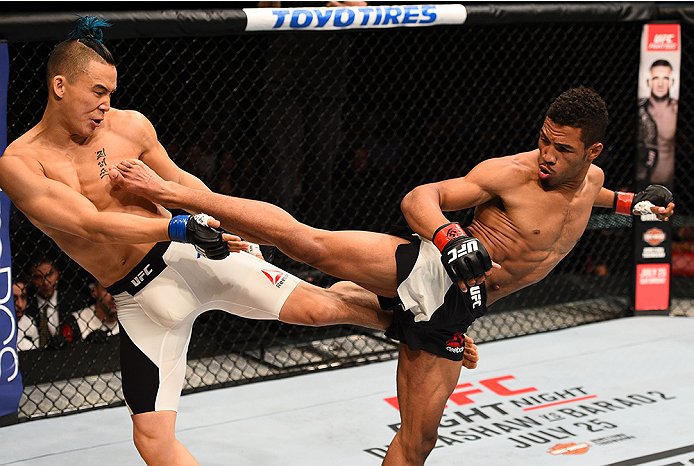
(462, 250)
(141, 276)
(476, 296)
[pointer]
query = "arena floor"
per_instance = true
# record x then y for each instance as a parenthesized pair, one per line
(611, 393)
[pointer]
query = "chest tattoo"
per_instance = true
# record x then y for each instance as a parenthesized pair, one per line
(101, 162)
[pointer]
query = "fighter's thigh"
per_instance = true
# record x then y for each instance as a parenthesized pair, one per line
(425, 382)
(153, 363)
(362, 257)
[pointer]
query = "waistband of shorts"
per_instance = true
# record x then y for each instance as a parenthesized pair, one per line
(144, 272)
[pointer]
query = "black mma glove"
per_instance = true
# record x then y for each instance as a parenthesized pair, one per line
(654, 195)
(463, 256)
(193, 229)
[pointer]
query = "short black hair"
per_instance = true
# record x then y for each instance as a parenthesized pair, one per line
(582, 108)
(72, 56)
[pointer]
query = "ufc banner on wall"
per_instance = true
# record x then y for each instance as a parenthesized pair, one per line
(10, 378)
(658, 96)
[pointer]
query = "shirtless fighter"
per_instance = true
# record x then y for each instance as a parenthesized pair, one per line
(57, 174)
(531, 209)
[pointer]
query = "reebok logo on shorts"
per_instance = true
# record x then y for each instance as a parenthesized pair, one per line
(276, 277)
(456, 344)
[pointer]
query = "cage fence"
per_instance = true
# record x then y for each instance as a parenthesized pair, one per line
(336, 127)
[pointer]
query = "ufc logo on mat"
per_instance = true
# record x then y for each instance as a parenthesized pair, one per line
(462, 250)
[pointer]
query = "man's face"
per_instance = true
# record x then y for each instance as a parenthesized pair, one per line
(20, 298)
(563, 156)
(45, 277)
(105, 302)
(660, 81)
(88, 99)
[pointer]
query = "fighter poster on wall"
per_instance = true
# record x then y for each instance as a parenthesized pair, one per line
(658, 94)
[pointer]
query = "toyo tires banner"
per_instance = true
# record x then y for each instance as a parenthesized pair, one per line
(366, 17)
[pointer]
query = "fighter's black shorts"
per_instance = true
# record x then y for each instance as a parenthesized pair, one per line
(431, 312)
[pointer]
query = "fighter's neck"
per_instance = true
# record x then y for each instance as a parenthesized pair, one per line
(54, 129)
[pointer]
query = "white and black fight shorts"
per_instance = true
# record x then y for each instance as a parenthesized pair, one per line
(161, 297)
(431, 312)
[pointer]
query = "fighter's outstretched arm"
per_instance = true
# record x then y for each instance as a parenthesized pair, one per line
(661, 198)
(362, 257)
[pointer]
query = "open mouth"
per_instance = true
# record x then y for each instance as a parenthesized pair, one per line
(96, 123)
(544, 172)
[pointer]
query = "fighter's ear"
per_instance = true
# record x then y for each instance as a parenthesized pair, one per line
(594, 151)
(58, 85)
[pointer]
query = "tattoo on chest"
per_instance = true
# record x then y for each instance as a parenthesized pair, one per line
(101, 162)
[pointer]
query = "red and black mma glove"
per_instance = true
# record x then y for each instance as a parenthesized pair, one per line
(463, 256)
(654, 195)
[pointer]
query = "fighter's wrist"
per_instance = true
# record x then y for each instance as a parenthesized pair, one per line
(623, 202)
(169, 195)
(445, 233)
(177, 228)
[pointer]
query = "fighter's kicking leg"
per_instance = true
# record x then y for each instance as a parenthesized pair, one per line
(365, 258)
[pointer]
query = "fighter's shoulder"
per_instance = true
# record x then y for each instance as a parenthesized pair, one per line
(516, 162)
(133, 126)
(130, 119)
(519, 166)
(595, 176)
(508, 172)
(24, 152)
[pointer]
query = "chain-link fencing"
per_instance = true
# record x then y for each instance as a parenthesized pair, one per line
(336, 127)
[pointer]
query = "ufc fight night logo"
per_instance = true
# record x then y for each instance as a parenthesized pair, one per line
(464, 249)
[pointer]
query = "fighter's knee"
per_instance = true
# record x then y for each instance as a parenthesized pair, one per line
(417, 448)
(322, 315)
(320, 255)
(153, 449)
(152, 442)
(329, 309)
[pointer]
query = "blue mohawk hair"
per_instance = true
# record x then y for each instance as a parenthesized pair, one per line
(89, 27)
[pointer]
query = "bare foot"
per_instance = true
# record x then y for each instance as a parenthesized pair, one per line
(136, 177)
